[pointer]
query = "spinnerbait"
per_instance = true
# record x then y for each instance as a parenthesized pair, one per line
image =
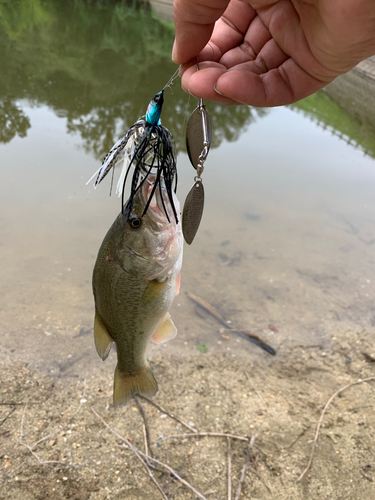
(147, 145)
(198, 143)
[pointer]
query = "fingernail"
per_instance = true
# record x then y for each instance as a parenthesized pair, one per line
(174, 50)
(182, 69)
(218, 92)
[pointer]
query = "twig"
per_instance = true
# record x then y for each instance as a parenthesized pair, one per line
(217, 434)
(11, 403)
(31, 448)
(360, 381)
(368, 357)
(257, 473)
(246, 463)
(44, 438)
(136, 452)
(255, 339)
(366, 475)
(146, 429)
(174, 474)
(145, 439)
(256, 390)
(167, 459)
(168, 413)
(215, 313)
(229, 469)
(296, 439)
(187, 459)
(209, 308)
(133, 448)
(9, 414)
(152, 466)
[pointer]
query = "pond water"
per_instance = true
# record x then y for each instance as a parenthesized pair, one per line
(288, 234)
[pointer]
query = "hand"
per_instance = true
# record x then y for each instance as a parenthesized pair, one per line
(269, 53)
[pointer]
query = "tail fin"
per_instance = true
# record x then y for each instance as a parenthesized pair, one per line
(125, 386)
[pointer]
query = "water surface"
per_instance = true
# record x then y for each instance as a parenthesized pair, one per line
(288, 234)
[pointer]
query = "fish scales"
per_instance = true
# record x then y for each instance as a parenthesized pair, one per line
(125, 310)
(135, 279)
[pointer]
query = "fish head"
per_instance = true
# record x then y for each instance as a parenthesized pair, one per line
(154, 109)
(151, 244)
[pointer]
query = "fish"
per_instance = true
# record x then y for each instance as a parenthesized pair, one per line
(136, 277)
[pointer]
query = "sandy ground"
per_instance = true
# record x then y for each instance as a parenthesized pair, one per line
(43, 419)
(260, 273)
(269, 253)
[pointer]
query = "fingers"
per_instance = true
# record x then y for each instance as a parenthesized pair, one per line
(202, 83)
(247, 84)
(255, 38)
(213, 80)
(194, 21)
(233, 25)
(258, 58)
(269, 57)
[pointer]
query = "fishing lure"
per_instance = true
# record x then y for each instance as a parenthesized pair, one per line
(198, 143)
(146, 146)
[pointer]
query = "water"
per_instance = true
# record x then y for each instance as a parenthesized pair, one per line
(287, 236)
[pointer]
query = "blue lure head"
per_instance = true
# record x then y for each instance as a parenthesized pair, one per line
(154, 109)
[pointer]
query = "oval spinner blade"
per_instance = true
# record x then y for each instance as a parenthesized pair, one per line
(195, 134)
(192, 212)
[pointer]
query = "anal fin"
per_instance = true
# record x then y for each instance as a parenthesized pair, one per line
(103, 341)
(126, 386)
(165, 331)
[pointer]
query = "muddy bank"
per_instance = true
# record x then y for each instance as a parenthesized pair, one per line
(72, 455)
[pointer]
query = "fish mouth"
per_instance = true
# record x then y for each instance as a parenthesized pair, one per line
(160, 204)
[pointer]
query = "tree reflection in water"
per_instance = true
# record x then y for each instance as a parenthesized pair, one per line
(12, 121)
(98, 65)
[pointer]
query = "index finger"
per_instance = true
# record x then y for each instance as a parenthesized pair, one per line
(194, 21)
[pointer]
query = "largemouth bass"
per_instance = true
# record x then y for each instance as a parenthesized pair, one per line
(136, 277)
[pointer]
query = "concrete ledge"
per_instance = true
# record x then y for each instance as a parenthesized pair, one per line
(366, 68)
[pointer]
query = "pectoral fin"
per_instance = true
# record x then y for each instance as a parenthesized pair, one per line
(103, 341)
(178, 284)
(165, 331)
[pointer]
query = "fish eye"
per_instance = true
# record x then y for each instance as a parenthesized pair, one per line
(135, 222)
(157, 98)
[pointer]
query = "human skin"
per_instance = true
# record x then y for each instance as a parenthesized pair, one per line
(269, 53)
